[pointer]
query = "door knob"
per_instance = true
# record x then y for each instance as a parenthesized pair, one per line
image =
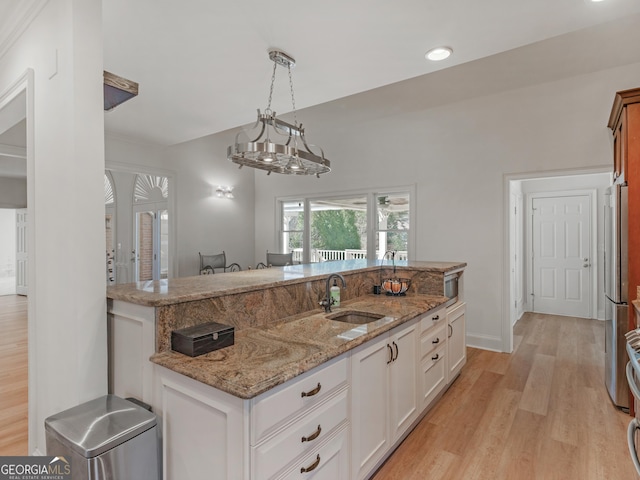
(585, 265)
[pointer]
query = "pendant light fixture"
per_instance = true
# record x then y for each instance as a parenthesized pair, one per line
(279, 146)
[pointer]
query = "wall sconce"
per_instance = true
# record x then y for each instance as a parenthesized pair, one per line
(224, 192)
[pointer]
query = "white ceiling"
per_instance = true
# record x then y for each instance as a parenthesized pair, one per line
(202, 65)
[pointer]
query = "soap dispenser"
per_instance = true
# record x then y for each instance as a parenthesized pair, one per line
(335, 293)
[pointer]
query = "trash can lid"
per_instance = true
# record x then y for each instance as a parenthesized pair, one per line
(99, 425)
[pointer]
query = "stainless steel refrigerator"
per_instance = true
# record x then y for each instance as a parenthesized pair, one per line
(615, 287)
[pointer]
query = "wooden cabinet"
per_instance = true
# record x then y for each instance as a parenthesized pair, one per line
(456, 341)
(624, 122)
(384, 400)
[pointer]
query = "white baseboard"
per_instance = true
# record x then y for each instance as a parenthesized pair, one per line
(485, 342)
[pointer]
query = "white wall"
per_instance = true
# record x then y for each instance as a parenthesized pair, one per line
(457, 155)
(65, 168)
(126, 158)
(203, 222)
(13, 192)
(206, 223)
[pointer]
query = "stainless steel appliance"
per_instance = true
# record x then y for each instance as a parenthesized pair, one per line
(616, 301)
(633, 373)
(451, 287)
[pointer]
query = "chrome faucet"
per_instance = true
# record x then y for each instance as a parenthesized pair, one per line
(328, 301)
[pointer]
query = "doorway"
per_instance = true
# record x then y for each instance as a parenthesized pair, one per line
(519, 190)
(7, 251)
(16, 319)
(151, 232)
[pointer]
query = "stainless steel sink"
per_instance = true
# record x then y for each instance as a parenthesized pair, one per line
(352, 316)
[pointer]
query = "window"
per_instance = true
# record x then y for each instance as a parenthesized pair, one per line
(392, 224)
(292, 232)
(151, 227)
(344, 227)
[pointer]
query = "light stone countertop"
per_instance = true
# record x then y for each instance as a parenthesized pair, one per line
(262, 358)
(185, 289)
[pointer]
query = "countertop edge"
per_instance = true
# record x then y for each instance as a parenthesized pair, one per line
(180, 363)
(153, 294)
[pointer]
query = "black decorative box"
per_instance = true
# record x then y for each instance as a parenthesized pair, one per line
(201, 339)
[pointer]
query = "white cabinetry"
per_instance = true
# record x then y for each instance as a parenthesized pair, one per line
(330, 461)
(456, 343)
(132, 334)
(383, 395)
(301, 424)
(295, 426)
(204, 430)
(433, 355)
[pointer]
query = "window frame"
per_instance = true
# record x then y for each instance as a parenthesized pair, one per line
(371, 195)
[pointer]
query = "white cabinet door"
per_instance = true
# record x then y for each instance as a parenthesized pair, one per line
(204, 430)
(384, 395)
(369, 405)
(403, 380)
(456, 343)
(132, 340)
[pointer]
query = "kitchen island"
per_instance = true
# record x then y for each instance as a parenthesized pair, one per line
(243, 406)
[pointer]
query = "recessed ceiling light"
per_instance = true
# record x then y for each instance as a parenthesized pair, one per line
(439, 53)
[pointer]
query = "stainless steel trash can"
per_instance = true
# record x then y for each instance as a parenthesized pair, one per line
(108, 438)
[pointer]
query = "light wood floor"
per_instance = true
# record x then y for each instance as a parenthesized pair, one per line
(13, 375)
(540, 413)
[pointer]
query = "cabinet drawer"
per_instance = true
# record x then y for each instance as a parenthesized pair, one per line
(274, 408)
(432, 339)
(432, 319)
(329, 461)
(434, 374)
(277, 452)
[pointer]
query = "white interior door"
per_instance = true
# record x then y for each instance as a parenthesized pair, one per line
(21, 251)
(561, 255)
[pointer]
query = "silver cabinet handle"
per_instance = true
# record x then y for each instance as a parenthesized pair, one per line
(313, 436)
(313, 392)
(450, 331)
(631, 441)
(311, 467)
(632, 382)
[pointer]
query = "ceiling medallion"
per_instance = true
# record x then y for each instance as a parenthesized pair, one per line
(292, 155)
